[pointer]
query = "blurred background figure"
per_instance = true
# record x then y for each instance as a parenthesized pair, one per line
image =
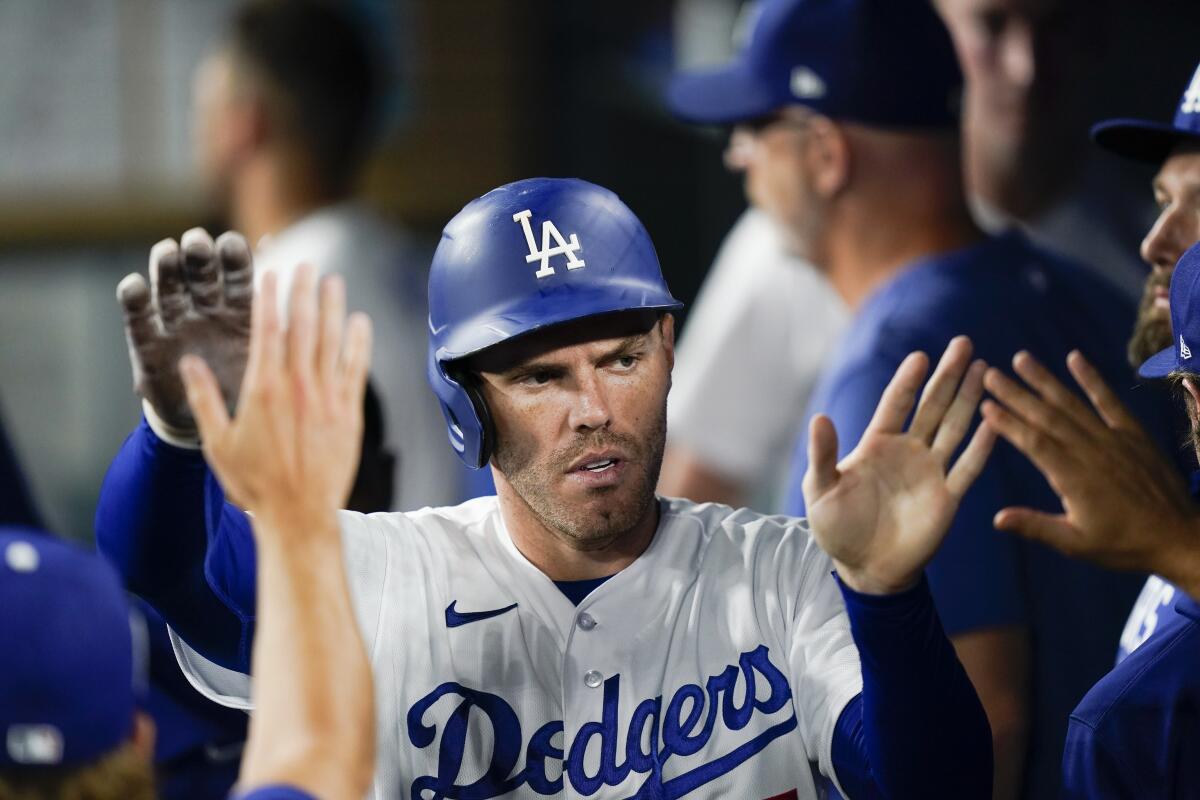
(72, 693)
(744, 368)
(858, 159)
(287, 110)
(1038, 72)
(732, 416)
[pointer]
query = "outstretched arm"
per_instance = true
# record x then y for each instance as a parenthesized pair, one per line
(162, 518)
(1124, 505)
(881, 514)
(289, 458)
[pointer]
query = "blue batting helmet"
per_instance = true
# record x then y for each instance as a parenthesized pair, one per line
(523, 257)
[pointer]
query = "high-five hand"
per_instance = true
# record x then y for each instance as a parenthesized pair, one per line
(1124, 505)
(198, 301)
(883, 511)
(293, 447)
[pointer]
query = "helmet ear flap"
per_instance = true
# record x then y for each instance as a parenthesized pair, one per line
(487, 429)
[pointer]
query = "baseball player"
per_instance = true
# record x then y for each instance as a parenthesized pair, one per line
(1133, 734)
(575, 635)
(846, 119)
(1175, 149)
(73, 678)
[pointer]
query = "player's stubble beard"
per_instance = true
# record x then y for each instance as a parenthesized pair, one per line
(537, 482)
(1152, 331)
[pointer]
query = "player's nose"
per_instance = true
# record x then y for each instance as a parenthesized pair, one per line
(1165, 242)
(591, 409)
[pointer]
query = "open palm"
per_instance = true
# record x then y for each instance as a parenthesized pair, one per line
(198, 302)
(882, 513)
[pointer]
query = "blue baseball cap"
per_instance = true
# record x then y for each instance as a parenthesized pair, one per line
(888, 63)
(1152, 142)
(1185, 321)
(68, 685)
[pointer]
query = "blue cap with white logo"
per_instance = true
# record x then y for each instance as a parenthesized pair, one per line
(888, 63)
(67, 674)
(1185, 321)
(1152, 142)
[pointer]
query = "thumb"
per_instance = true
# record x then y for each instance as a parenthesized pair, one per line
(1049, 529)
(822, 474)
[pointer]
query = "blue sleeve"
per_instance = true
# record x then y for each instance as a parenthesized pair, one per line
(918, 729)
(163, 522)
(976, 577)
(274, 793)
(1091, 770)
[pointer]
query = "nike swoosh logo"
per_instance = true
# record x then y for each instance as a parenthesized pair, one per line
(455, 618)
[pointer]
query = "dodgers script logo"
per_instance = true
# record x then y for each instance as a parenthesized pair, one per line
(561, 248)
(652, 737)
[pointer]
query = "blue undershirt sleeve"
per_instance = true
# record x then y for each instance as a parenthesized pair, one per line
(918, 729)
(163, 522)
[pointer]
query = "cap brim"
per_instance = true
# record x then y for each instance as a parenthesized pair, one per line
(1141, 140)
(721, 96)
(1159, 365)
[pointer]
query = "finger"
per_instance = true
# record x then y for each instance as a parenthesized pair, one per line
(355, 362)
(332, 313)
(1050, 529)
(265, 355)
(1114, 413)
(166, 282)
(200, 269)
(957, 420)
(302, 322)
(204, 398)
(1053, 393)
(1033, 410)
(897, 399)
(972, 461)
(1048, 454)
(237, 271)
(940, 390)
(141, 326)
(822, 473)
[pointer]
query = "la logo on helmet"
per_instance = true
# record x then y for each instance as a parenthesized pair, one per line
(561, 247)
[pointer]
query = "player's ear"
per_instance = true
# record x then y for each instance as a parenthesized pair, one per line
(666, 328)
(827, 152)
(144, 735)
(1193, 391)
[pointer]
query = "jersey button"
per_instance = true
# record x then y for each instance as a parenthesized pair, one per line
(586, 621)
(592, 678)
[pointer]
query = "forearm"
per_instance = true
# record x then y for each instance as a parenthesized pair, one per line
(313, 723)
(913, 682)
(159, 508)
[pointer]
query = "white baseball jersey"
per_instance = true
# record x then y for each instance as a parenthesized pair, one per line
(715, 666)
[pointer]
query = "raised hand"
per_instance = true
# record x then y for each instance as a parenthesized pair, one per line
(198, 302)
(293, 447)
(883, 511)
(1124, 505)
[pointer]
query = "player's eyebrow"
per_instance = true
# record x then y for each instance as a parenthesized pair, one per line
(626, 345)
(550, 364)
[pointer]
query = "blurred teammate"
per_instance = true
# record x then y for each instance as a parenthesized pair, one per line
(562, 634)
(73, 680)
(287, 111)
(1033, 74)
(743, 368)
(199, 744)
(858, 156)
(1134, 734)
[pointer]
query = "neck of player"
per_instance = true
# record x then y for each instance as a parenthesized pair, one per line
(562, 557)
